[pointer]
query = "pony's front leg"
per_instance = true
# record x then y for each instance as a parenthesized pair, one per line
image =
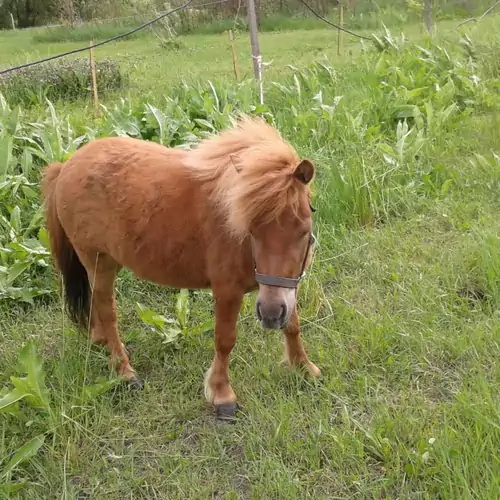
(295, 353)
(218, 390)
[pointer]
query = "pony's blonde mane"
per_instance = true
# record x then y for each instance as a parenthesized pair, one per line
(248, 170)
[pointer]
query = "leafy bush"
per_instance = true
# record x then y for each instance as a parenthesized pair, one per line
(171, 329)
(92, 31)
(63, 79)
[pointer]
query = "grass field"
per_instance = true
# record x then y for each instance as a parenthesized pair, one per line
(400, 311)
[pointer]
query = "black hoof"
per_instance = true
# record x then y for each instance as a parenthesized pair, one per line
(227, 411)
(136, 385)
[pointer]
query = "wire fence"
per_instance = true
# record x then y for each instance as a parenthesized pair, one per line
(359, 14)
(186, 7)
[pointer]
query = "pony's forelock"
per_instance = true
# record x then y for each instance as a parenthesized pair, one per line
(249, 170)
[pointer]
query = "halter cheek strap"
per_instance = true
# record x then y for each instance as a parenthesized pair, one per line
(264, 279)
(281, 282)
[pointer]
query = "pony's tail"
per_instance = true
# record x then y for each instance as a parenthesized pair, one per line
(75, 281)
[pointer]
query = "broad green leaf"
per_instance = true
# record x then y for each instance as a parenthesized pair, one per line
(5, 155)
(4, 107)
(482, 161)
(24, 453)
(407, 111)
(171, 334)
(446, 186)
(151, 318)
(29, 192)
(43, 237)
(39, 153)
(22, 385)
(24, 294)
(11, 398)
(216, 97)
(205, 123)
(203, 328)
(160, 119)
(26, 162)
(386, 148)
(6, 224)
(90, 392)
(13, 121)
(35, 373)
(297, 85)
(286, 91)
(15, 219)
(10, 488)
(415, 92)
(30, 246)
(17, 269)
(182, 307)
(27, 294)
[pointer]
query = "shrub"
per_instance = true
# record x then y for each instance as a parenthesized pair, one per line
(63, 79)
(91, 31)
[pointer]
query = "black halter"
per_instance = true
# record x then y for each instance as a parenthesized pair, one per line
(281, 282)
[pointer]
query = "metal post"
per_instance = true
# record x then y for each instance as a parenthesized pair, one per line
(254, 37)
(427, 14)
(340, 43)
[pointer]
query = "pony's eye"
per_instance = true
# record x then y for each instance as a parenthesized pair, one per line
(312, 240)
(312, 208)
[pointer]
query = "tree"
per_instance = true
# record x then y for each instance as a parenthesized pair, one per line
(27, 13)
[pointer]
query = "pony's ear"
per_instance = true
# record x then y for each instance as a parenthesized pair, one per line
(235, 163)
(304, 171)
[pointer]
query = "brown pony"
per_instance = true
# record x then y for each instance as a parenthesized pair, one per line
(232, 214)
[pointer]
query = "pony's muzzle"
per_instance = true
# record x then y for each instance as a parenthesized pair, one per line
(274, 306)
(272, 315)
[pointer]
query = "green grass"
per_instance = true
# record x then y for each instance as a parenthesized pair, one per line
(400, 310)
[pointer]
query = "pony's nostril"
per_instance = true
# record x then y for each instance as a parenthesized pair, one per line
(284, 311)
(259, 312)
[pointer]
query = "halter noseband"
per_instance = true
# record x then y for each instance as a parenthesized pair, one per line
(281, 282)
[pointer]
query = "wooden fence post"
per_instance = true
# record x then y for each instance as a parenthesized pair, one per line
(340, 44)
(94, 81)
(235, 56)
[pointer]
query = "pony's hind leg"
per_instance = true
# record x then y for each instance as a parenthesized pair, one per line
(295, 353)
(218, 390)
(103, 321)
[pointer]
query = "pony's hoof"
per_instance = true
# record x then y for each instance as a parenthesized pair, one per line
(135, 384)
(313, 370)
(227, 412)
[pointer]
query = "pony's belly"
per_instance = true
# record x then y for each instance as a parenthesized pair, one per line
(169, 270)
(173, 280)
